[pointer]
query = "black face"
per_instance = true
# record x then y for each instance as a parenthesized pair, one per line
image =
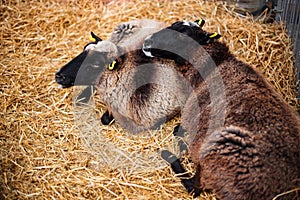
(84, 68)
(176, 39)
(162, 44)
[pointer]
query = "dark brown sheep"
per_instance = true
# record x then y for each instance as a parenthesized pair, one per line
(245, 140)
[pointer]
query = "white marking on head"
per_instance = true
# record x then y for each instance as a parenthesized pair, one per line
(186, 23)
(90, 47)
(194, 24)
(191, 24)
(148, 53)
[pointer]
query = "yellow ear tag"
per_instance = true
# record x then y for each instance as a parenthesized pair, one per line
(111, 66)
(213, 35)
(92, 39)
(200, 22)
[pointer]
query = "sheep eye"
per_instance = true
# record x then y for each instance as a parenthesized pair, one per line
(112, 65)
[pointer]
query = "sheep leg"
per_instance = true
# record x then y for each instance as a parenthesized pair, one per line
(85, 95)
(179, 132)
(107, 117)
(84, 98)
(187, 181)
(190, 183)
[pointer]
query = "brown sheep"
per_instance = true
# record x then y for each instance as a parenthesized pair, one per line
(140, 92)
(245, 140)
(143, 92)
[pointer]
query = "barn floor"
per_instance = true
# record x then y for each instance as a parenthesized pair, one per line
(43, 155)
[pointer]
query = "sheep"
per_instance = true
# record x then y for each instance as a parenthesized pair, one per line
(140, 92)
(244, 139)
(121, 37)
(68, 74)
(149, 94)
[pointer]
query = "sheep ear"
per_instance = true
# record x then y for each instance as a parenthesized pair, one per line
(214, 36)
(200, 22)
(211, 37)
(95, 38)
(112, 65)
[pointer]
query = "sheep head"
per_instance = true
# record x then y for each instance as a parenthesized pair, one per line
(177, 37)
(96, 55)
(85, 68)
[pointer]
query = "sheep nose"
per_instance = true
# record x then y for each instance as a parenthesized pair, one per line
(59, 78)
(148, 43)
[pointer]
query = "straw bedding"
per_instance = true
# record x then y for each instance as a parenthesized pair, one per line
(43, 152)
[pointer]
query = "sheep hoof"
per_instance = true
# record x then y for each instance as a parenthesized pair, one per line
(107, 118)
(179, 132)
(85, 95)
(187, 181)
